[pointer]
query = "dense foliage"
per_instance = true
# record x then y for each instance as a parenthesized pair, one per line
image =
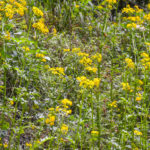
(74, 74)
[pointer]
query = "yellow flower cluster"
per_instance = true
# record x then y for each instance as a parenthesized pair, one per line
(37, 11)
(134, 19)
(94, 132)
(20, 7)
(146, 60)
(147, 17)
(9, 11)
(57, 70)
(66, 102)
(41, 26)
(86, 61)
(126, 87)
(64, 128)
(130, 63)
(82, 54)
(139, 97)
(27, 49)
(75, 49)
(65, 105)
(7, 36)
(2, 3)
(5, 145)
(38, 55)
(137, 9)
(132, 25)
(0, 17)
(99, 7)
(136, 132)
(15, 7)
(128, 9)
(66, 50)
(64, 110)
(148, 6)
(113, 104)
(50, 120)
(91, 69)
(54, 32)
(28, 144)
(86, 83)
(111, 1)
(97, 57)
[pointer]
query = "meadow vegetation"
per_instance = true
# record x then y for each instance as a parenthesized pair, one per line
(73, 78)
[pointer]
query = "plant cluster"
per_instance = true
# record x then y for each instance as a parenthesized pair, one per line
(70, 78)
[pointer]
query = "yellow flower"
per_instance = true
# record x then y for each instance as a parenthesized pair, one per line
(136, 132)
(41, 26)
(131, 25)
(66, 50)
(77, 6)
(139, 97)
(140, 82)
(126, 86)
(129, 63)
(44, 60)
(113, 104)
(26, 48)
(86, 61)
(82, 54)
(38, 55)
(5, 145)
(21, 8)
(75, 49)
(148, 6)
(97, 57)
(137, 9)
(0, 17)
(23, 2)
(58, 109)
(51, 109)
(28, 144)
(50, 120)
(146, 60)
(128, 9)
(7, 36)
(9, 11)
(91, 69)
(147, 17)
(12, 102)
(57, 70)
(86, 83)
(94, 132)
(64, 129)
(96, 82)
(99, 7)
(69, 112)
(66, 102)
(54, 31)
(135, 19)
(37, 11)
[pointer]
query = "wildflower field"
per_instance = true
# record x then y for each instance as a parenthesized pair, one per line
(74, 75)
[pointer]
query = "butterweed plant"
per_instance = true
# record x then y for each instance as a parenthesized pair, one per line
(74, 75)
